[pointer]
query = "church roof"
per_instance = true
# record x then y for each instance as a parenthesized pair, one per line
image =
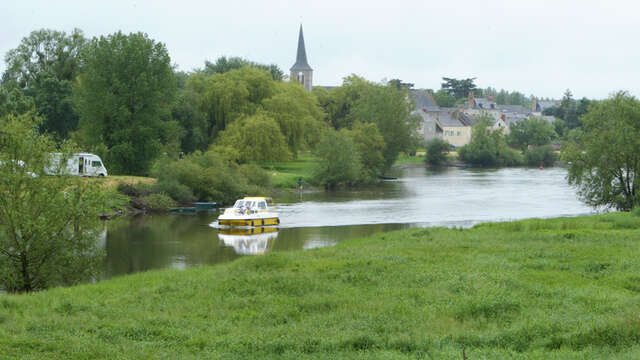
(301, 58)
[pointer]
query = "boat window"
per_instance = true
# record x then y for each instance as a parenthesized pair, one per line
(238, 204)
(262, 205)
(248, 204)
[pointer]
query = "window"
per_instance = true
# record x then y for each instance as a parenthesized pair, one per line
(262, 205)
(96, 164)
(459, 133)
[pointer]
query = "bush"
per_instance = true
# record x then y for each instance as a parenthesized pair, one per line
(488, 148)
(255, 175)
(437, 150)
(129, 189)
(159, 202)
(541, 155)
(207, 177)
(178, 192)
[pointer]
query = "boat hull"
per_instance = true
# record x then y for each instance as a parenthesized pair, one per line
(249, 222)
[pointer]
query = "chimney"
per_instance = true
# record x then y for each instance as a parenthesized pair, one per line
(490, 97)
(534, 105)
(503, 117)
(471, 100)
(424, 109)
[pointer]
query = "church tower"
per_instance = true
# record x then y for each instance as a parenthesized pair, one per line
(301, 71)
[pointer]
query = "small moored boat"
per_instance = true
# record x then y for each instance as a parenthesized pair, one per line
(249, 211)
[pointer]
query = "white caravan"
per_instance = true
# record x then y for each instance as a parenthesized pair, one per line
(79, 164)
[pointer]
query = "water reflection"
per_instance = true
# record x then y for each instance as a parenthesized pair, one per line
(254, 241)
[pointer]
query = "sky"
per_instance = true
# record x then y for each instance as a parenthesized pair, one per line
(535, 47)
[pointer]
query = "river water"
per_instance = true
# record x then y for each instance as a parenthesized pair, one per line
(420, 197)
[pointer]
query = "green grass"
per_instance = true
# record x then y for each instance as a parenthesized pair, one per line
(406, 159)
(566, 288)
(285, 174)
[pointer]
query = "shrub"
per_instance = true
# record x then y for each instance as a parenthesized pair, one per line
(159, 202)
(178, 192)
(254, 175)
(540, 155)
(207, 177)
(128, 189)
(437, 150)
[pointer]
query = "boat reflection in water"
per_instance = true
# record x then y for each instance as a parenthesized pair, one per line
(249, 241)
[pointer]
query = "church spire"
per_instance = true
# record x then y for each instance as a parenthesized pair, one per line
(301, 58)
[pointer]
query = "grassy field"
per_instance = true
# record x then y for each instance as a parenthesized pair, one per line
(112, 182)
(566, 288)
(285, 174)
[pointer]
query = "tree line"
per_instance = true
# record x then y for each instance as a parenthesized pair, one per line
(119, 96)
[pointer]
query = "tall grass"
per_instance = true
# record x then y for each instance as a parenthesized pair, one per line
(566, 288)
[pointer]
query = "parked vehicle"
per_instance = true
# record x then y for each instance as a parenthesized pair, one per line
(80, 164)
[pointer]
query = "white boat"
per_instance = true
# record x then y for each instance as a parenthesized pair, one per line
(249, 211)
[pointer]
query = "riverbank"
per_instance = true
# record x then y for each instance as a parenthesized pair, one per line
(563, 288)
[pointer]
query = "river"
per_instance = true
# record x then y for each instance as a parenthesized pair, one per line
(420, 197)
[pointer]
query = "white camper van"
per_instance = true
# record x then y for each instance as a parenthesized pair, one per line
(80, 164)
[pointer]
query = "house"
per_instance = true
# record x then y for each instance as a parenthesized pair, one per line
(428, 110)
(456, 126)
(542, 105)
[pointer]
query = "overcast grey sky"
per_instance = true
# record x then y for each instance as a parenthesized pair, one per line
(536, 47)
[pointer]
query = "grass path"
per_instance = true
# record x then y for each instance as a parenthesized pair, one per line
(566, 288)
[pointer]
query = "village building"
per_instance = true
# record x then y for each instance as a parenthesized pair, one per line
(301, 71)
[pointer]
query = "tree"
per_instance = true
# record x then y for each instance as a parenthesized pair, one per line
(257, 138)
(437, 150)
(298, 115)
(388, 108)
(370, 146)
(13, 101)
(488, 147)
(531, 131)
(340, 163)
(124, 96)
(444, 98)
(460, 88)
(605, 158)
(48, 224)
(44, 66)
(224, 64)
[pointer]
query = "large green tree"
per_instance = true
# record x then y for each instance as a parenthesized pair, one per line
(388, 108)
(298, 114)
(531, 131)
(605, 156)
(44, 66)
(444, 99)
(124, 97)
(48, 224)
(460, 88)
(256, 138)
(224, 64)
(340, 162)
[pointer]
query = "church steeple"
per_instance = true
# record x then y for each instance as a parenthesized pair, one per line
(301, 71)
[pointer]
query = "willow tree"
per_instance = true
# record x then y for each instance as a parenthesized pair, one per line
(605, 156)
(49, 225)
(298, 114)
